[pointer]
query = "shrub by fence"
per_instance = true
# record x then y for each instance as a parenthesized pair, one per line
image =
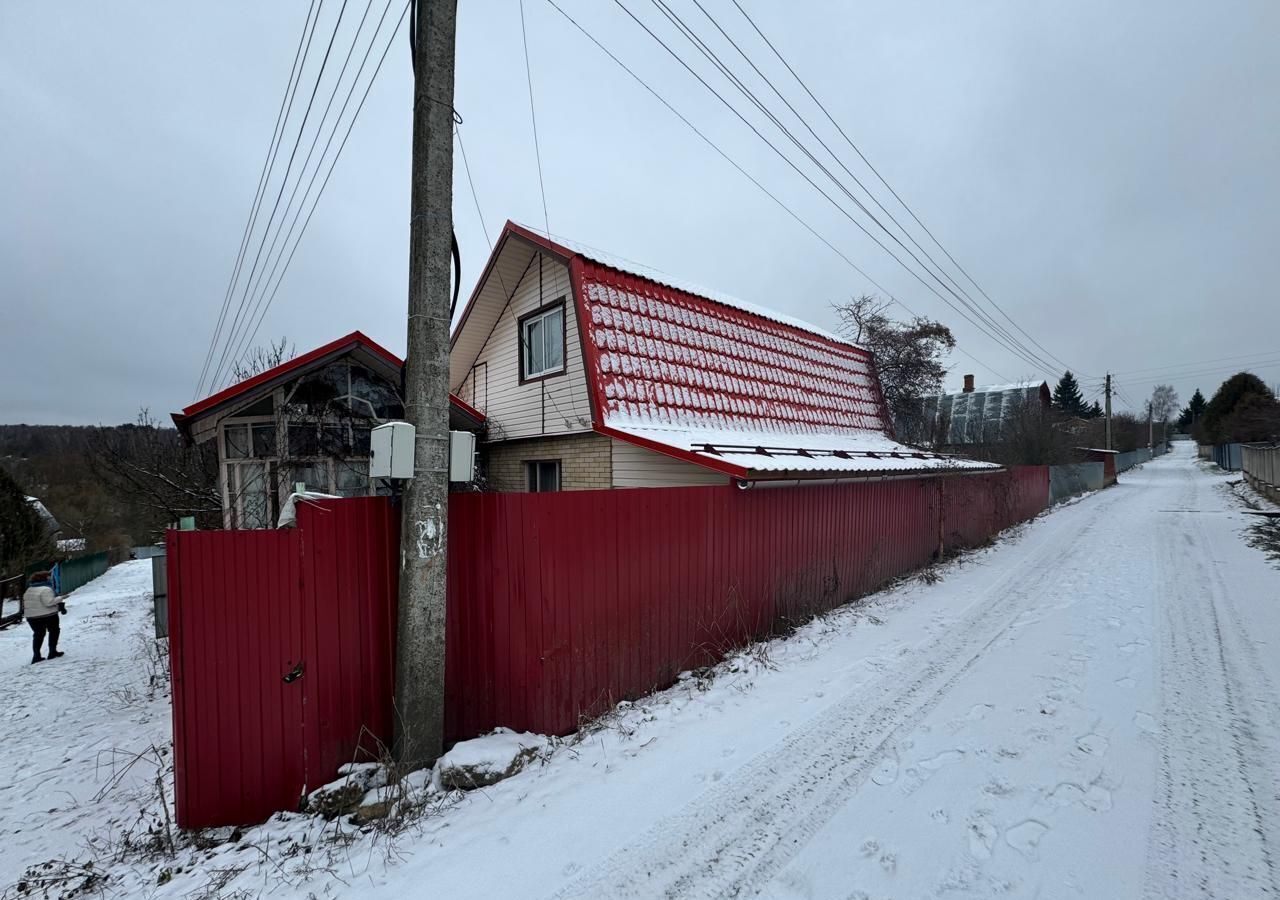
(559, 606)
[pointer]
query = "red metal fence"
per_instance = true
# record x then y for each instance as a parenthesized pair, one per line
(246, 609)
(560, 605)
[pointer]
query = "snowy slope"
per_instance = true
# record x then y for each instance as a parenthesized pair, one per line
(70, 727)
(1089, 709)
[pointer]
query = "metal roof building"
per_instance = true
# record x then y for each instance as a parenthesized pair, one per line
(978, 415)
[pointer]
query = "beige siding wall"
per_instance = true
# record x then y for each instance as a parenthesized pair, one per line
(637, 467)
(585, 462)
(556, 405)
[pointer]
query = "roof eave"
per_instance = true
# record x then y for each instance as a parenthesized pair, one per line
(706, 462)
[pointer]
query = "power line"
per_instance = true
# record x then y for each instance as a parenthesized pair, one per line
(966, 300)
(881, 178)
(675, 19)
(745, 174)
(474, 196)
(533, 117)
(1201, 362)
(235, 324)
(332, 164)
(268, 162)
(1027, 357)
(616, 60)
(260, 287)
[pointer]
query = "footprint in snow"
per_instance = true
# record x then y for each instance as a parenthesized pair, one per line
(1146, 722)
(886, 772)
(1066, 794)
(1093, 744)
(922, 771)
(982, 837)
(1025, 837)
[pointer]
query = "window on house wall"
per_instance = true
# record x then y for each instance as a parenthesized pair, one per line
(543, 475)
(542, 342)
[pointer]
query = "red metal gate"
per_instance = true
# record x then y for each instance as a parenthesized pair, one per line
(281, 645)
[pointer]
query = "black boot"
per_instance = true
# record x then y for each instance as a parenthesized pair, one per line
(54, 654)
(37, 658)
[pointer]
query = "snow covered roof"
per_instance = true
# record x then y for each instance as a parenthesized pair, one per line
(704, 377)
(51, 525)
(657, 276)
(1002, 388)
(772, 454)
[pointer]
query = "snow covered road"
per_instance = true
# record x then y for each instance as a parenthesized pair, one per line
(1098, 719)
(1087, 709)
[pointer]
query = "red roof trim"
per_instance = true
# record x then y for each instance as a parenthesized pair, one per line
(341, 345)
(350, 341)
(674, 452)
(467, 408)
(590, 352)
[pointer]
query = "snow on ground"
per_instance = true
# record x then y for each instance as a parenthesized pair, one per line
(1088, 709)
(76, 733)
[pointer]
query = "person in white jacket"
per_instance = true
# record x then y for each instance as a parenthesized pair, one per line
(41, 607)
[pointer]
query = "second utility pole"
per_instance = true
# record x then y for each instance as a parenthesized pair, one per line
(1108, 393)
(420, 630)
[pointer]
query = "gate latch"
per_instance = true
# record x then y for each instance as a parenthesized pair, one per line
(295, 674)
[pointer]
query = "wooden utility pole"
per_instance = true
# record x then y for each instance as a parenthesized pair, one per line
(420, 637)
(1108, 410)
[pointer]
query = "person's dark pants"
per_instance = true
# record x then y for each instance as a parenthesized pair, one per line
(43, 625)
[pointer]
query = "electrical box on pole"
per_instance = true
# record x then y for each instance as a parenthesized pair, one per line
(462, 456)
(391, 448)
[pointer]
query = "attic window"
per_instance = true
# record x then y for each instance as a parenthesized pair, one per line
(542, 342)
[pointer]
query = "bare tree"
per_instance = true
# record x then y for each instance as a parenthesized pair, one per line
(153, 467)
(908, 357)
(1164, 402)
(260, 359)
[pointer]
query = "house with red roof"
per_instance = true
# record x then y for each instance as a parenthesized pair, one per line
(579, 371)
(304, 422)
(593, 372)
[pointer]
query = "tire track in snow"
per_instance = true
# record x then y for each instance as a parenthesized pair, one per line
(1212, 825)
(734, 837)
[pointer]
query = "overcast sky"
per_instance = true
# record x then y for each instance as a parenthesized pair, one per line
(1106, 171)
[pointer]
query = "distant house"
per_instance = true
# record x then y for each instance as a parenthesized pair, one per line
(306, 421)
(592, 373)
(978, 415)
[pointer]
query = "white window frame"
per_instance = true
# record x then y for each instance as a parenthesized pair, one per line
(539, 318)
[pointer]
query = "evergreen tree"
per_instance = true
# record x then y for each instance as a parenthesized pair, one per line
(1242, 409)
(22, 533)
(1095, 411)
(1067, 398)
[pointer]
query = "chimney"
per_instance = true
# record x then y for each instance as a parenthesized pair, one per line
(968, 384)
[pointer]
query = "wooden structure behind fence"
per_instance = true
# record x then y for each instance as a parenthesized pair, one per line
(559, 605)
